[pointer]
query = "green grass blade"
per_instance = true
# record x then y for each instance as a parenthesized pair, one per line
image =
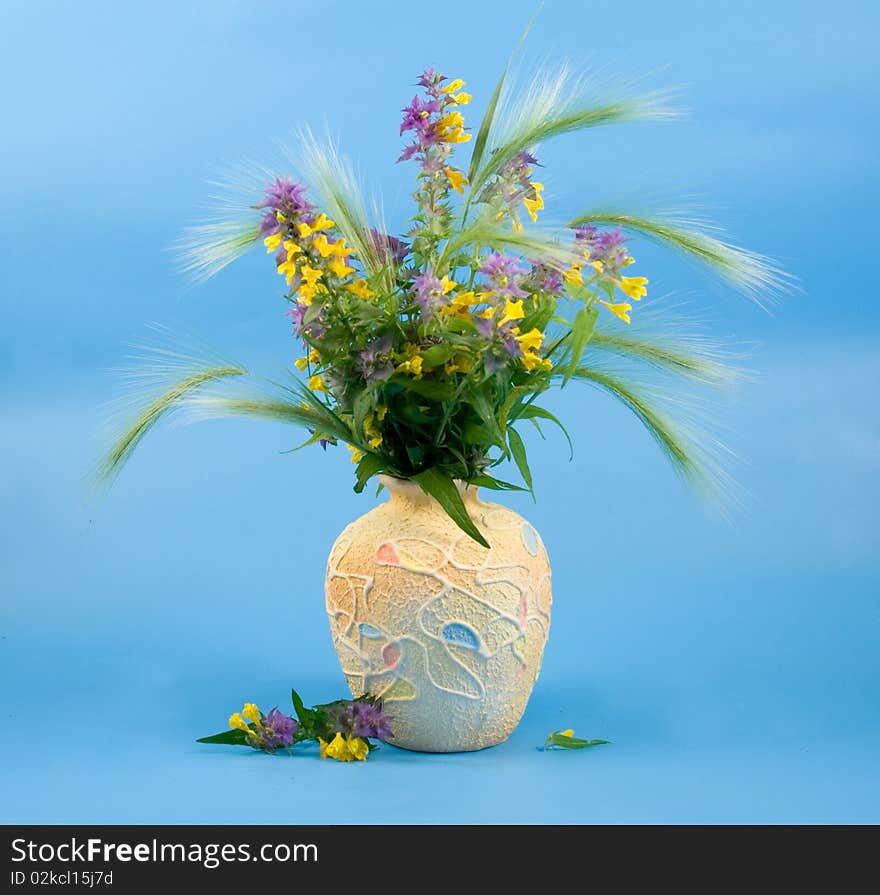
(683, 448)
(581, 331)
(336, 183)
(156, 410)
(489, 116)
(556, 103)
(439, 486)
(518, 451)
(534, 412)
(688, 356)
(757, 276)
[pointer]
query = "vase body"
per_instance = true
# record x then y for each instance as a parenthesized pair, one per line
(450, 634)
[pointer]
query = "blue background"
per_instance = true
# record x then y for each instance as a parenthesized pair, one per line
(734, 665)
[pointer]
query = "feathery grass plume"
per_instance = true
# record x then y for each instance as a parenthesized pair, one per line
(159, 407)
(693, 452)
(558, 101)
(535, 243)
(671, 343)
(753, 274)
(341, 194)
(232, 228)
(280, 408)
(486, 123)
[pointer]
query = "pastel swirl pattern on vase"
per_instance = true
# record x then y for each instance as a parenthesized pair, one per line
(450, 634)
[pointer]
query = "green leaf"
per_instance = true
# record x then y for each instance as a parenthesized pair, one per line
(581, 332)
(488, 117)
(493, 484)
(227, 738)
(480, 402)
(474, 433)
(369, 465)
(444, 491)
(518, 449)
(363, 403)
(532, 411)
(511, 399)
(562, 741)
(298, 706)
(427, 388)
(436, 355)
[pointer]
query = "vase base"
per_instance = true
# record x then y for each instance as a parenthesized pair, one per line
(453, 750)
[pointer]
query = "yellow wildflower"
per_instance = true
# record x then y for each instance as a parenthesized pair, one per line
(321, 222)
(453, 86)
(634, 287)
(326, 248)
(360, 289)
(465, 299)
(619, 309)
(532, 361)
(598, 266)
(487, 313)
(566, 733)
(573, 275)
(272, 242)
(309, 285)
(462, 99)
(459, 364)
(345, 748)
(371, 430)
(456, 179)
(450, 128)
(531, 341)
(447, 285)
(291, 248)
(288, 270)
(413, 365)
(316, 383)
(339, 267)
(238, 723)
(251, 712)
(359, 748)
(301, 363)
(356, 456)
(314, 357)
(457, 136)
(513, 310)
(533, 206)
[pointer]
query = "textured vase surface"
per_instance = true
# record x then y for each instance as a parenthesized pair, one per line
(449, 633)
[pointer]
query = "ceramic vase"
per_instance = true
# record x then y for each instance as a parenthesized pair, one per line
(449, 633)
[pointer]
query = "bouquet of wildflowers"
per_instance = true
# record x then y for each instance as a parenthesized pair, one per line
(424, 354)
(343, 729)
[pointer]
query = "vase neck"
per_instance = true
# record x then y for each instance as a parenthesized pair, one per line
(404, 491)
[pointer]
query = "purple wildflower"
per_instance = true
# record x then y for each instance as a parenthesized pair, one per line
(545, 277)
(389, 247)
(285, 197)
(315, 329)
(296, 313)
(429, 295)
(431, 79)
(417, 117)
(511, 184)
(497, 266)
(362, 719)
(511, 345)
(280, 728)
(504, 273)
(606, 246)
(375, 360)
